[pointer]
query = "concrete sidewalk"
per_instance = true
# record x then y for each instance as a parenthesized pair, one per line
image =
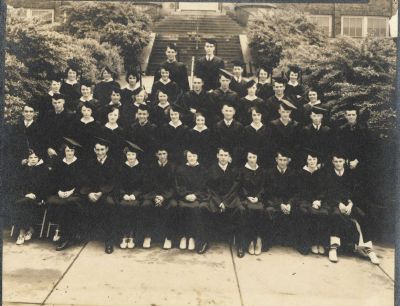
(35, 274)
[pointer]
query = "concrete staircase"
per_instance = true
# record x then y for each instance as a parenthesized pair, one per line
(189, 30)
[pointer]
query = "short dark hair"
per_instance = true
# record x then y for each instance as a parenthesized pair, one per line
(283, 152)
(172, 46)
(131, 73)
(225, 149)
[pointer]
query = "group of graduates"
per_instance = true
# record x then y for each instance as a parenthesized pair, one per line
(251, 156)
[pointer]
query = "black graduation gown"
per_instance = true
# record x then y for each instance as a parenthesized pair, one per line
(279, 188)
(145, 136)
(259, 141)
(303, 114)
(174, 139)
(339, 188)
(25, 138)
(131, 181)
(94, 102)
(102, 91)
(251, 183)
(219, 97)
(295, 93)
(171, 89)
(209, 71)
(72, 94)
(44, 106)
(201, 103)
(177, 73)
(239, 87)
(55, 127)
(318, 140)
(354, 141)
(84, 134)
(160, 116)
(160, 180)
(244, 114)
(264, 91)
(191, 180)
(127, 94)
(117, 143)
(128, 114)
(34, 179)
(272, 106)
(310, 188)
(230, 137)
(286, 137)
(67, 177)
(203, 143)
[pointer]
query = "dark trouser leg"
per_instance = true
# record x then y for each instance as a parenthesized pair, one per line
(26, 212)
(170, 220)
(146, 221)
(205, 216)
(300, 229)
(108, 216)
(343, 227)
(237, 217)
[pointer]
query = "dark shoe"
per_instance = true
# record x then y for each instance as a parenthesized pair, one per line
(63, 244)
(109, 248)
(240, 252)
(202, 248)
(303, 250)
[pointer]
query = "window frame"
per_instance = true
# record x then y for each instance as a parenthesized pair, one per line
(364, 25)
(329, 20)
(29, 12)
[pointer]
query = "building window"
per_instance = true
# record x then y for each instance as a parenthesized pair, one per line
(365, 26)
(324, 22)
(46, 15)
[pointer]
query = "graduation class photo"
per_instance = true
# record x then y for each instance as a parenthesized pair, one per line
(204, 138)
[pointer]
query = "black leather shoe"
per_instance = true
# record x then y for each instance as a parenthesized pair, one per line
(203, 248)
(63, 245)
(109, 248)
(303, 250)
(240, 252)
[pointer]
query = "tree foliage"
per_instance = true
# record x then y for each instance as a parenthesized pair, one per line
(116, 23)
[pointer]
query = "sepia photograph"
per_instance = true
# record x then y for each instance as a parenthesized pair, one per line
(199, 153)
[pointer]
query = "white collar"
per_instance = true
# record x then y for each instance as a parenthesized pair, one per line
(134, 165)
(173, 61)
(195, 165)
(238, 79)
(309, 170)
(116, 104)
(138, 104)
(134, 88)
(85, 100)
(251, 98)
(143, 124)
(163, 106)
(162, 165)
(198, 130)
(101, 161)
(210, 57)
(293, 84)
(223, 167)
(280, 119)
(228, 123)
(317, 127)
(51, 93)
(38, 163)
(69, 162)
(28, 123)
(256, 128)
(316, 102)
(250, 168)
(165, 82)
(262, 83)
(280, 170)
(339, 173)
(57, 113)
(175, 126)
(71, 82)
(109, 80)
(107, 125)
(91, 119)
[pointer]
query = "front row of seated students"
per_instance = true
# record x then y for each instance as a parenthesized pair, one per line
(314, 209)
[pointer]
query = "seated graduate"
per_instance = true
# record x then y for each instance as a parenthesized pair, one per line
(86, 96)
(197, 100)
(285, 131)
(159, 114)
(166, 85)
(348, 224)
(99, 191)
(223, 94)
(159, 207)
(258, 225)
(56, 125)
(177, 70)
(264, 87)
(65, 203)
(33, 189)
(248, 101)
(294, 90)
(279, 198)
(130, 109)
(192, 197)
(85, 128)
(113, 133)
(130, 189)
(225, 205)
(273, 103)
(200, 138)
(311, 201)
(228, 133)
(257, 138)
(103, 89)
(317, 136)
(44, 105)
(133, 87)
(238, 84)
(173, 135)
(144, 133)
(71, 88)
(115, 101)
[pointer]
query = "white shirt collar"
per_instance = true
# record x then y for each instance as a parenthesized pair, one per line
(175, 126)
(280, 170)
(196, 164)
(134, 88)
(163, 106)
(210, 57)
(293, 83)
(165, 82)
(309, 170)
(107, 125)
(69, 162)
(134, 165)
(223, 167)
(85, 100)
(284, 123)
(109, 80)
(251, 98)
(138, 104)
(317, 127)
(28, 123)
(162, 165)
(116, 104)
(200, 130)
(339, 173)
(71, 82)
(316, 102)
(256, 128)
(238, 79)
(38, 163)
(249, 167)
(228, 122)
(91, 119)
(101, 161)
(144, 123)
(51, 93)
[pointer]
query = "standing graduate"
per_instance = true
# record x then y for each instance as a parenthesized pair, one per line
(312, 98)
(273, 103)
(33, 189)
(197, 100)
(103, 89)
(114, 101)
(99, 191)
(86, 97)
(173, 135)
(159, 114)
(65, 203)
(225, 205)
(71, 88)
(228, 133)
(348, 224)
(192, 197)
(258, 225)
(264, 87)
(166, 85)
(257, 139)
(132, 88)
(130, 190)
(44, 104)
(200, 139)
(177, 70)
(130, 109)
(248, 101)
(294, 90)
(238, 84)
(208, 67)
(159, 207)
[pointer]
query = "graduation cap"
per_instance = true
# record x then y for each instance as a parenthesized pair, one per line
(71, 143)
(101, 141)
(318, 110)
(287, 105)
(58, 96)
(210, 41)
(250, 83)
(32, 104)
(238, 63)
(131, 147)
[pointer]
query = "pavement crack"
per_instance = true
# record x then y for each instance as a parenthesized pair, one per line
(236, 276)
